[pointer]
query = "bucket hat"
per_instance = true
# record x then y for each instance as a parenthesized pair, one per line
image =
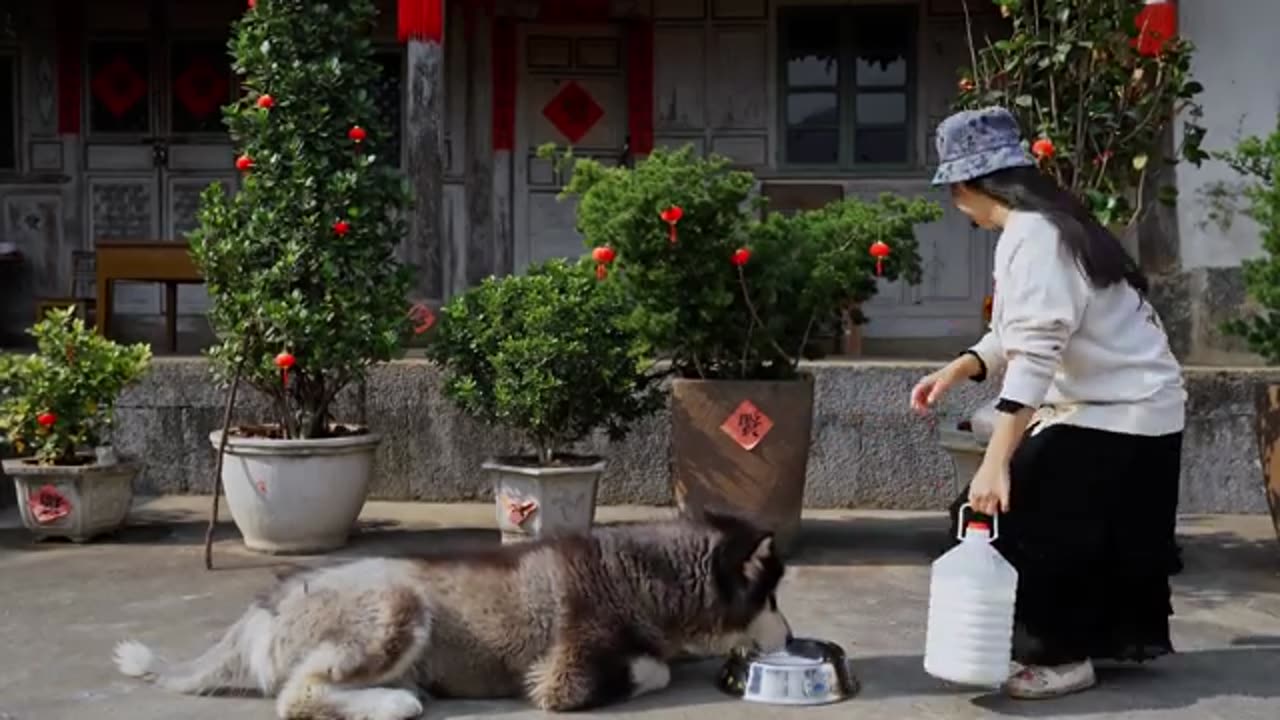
(973, 143)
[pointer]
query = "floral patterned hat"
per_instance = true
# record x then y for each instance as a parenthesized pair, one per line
(973, 143)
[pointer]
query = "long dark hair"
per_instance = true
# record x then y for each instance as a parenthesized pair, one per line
(1096, 250)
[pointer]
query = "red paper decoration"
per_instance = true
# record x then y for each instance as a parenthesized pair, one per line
(603, 255)
(671, 216)
(244, 163)
(48, 505)
(341, 228)
(1157, 24)
(640, 82)
(421, 20)
(747, 425)
(505, 71)
(1042, 148)
(46, 419)
(357, 134)
(201, 88)
(422, 318)
(266, 102)
(519, 511)
(879, 250)
(573, 111)
(118, 86)
(740, 257)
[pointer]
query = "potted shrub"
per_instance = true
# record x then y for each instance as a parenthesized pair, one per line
(56, 409)
(732, 301)
(549, 355)
(300, 265)
(1257, 161)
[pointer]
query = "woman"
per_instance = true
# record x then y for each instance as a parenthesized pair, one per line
(1085, 452)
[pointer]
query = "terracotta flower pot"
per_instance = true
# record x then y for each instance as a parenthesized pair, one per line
(742, 447)
(1267, 428)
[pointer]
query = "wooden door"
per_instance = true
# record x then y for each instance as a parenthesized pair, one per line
(571, 91)
(156, 78)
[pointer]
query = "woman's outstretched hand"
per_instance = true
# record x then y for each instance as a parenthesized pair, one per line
(989, 491)
(932, 387)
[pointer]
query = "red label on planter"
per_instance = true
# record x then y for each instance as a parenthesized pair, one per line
(747, 425)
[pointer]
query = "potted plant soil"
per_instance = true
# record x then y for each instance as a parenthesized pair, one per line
(1257, 162)
(300, 265)
(56, 410)
(550, 356)
(734, 302)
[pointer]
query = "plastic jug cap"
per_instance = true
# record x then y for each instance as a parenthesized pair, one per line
(978, 526)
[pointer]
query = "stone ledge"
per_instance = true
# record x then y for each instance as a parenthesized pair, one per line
(868, 449)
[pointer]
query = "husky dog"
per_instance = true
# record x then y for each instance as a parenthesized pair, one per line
(571, 623)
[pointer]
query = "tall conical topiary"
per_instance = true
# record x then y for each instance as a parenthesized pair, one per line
(300, 262)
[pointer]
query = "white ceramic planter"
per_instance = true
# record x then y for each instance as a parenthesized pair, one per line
(296, 496)
(533, 502)
(75, 502)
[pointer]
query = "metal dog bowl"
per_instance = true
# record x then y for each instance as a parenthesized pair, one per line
(808, 672)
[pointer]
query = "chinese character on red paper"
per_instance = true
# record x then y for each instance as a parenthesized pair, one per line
(747, 425)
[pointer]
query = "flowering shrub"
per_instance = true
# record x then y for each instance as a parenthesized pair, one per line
(547, 353)
(60, 400)
(718, 291)
(300, 263)
(1095, 88)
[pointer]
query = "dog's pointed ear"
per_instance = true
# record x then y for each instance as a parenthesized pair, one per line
(754, 567)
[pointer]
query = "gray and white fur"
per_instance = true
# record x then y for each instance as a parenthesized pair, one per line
(570, 623)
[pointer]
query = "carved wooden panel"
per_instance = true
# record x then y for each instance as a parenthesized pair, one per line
(34, 222)
(183, 201)
(123, 208)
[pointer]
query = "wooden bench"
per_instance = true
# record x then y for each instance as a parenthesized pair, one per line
(159, 261)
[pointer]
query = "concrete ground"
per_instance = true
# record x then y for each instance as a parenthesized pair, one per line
(861, 580)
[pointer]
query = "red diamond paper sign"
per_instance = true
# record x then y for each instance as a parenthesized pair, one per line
(747, 425)
(573, 111)
(118, 86)
(201, 88)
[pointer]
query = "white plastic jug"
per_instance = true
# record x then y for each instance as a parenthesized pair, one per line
(969, 639)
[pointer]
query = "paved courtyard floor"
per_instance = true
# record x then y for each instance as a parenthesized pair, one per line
(861, 580)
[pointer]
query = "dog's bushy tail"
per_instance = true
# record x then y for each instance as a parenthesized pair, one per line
(224, 665)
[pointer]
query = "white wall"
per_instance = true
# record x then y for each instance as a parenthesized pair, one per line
(1237, 60)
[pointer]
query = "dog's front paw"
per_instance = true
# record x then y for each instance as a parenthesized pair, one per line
(390, 704)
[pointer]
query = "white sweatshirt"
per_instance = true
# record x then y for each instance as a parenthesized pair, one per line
(1083, 356)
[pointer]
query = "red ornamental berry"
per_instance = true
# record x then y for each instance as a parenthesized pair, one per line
(46, 419)
(740, 257)
(266, 102)
(285, 360)
(342, 227)
(1042, 148)
(244, 163)
(357, 134)
(603, 255)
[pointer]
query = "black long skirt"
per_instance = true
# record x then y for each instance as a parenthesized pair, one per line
(1091, 533)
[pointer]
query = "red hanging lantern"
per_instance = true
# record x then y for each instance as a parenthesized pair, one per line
(46, 419)
(603, 255)
(671, 216)
(740, 257)
(357, 134)
(879, 250)
(266, 102)
(284, 361)
(1157, 24)
(341, 228)
(244, 163)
